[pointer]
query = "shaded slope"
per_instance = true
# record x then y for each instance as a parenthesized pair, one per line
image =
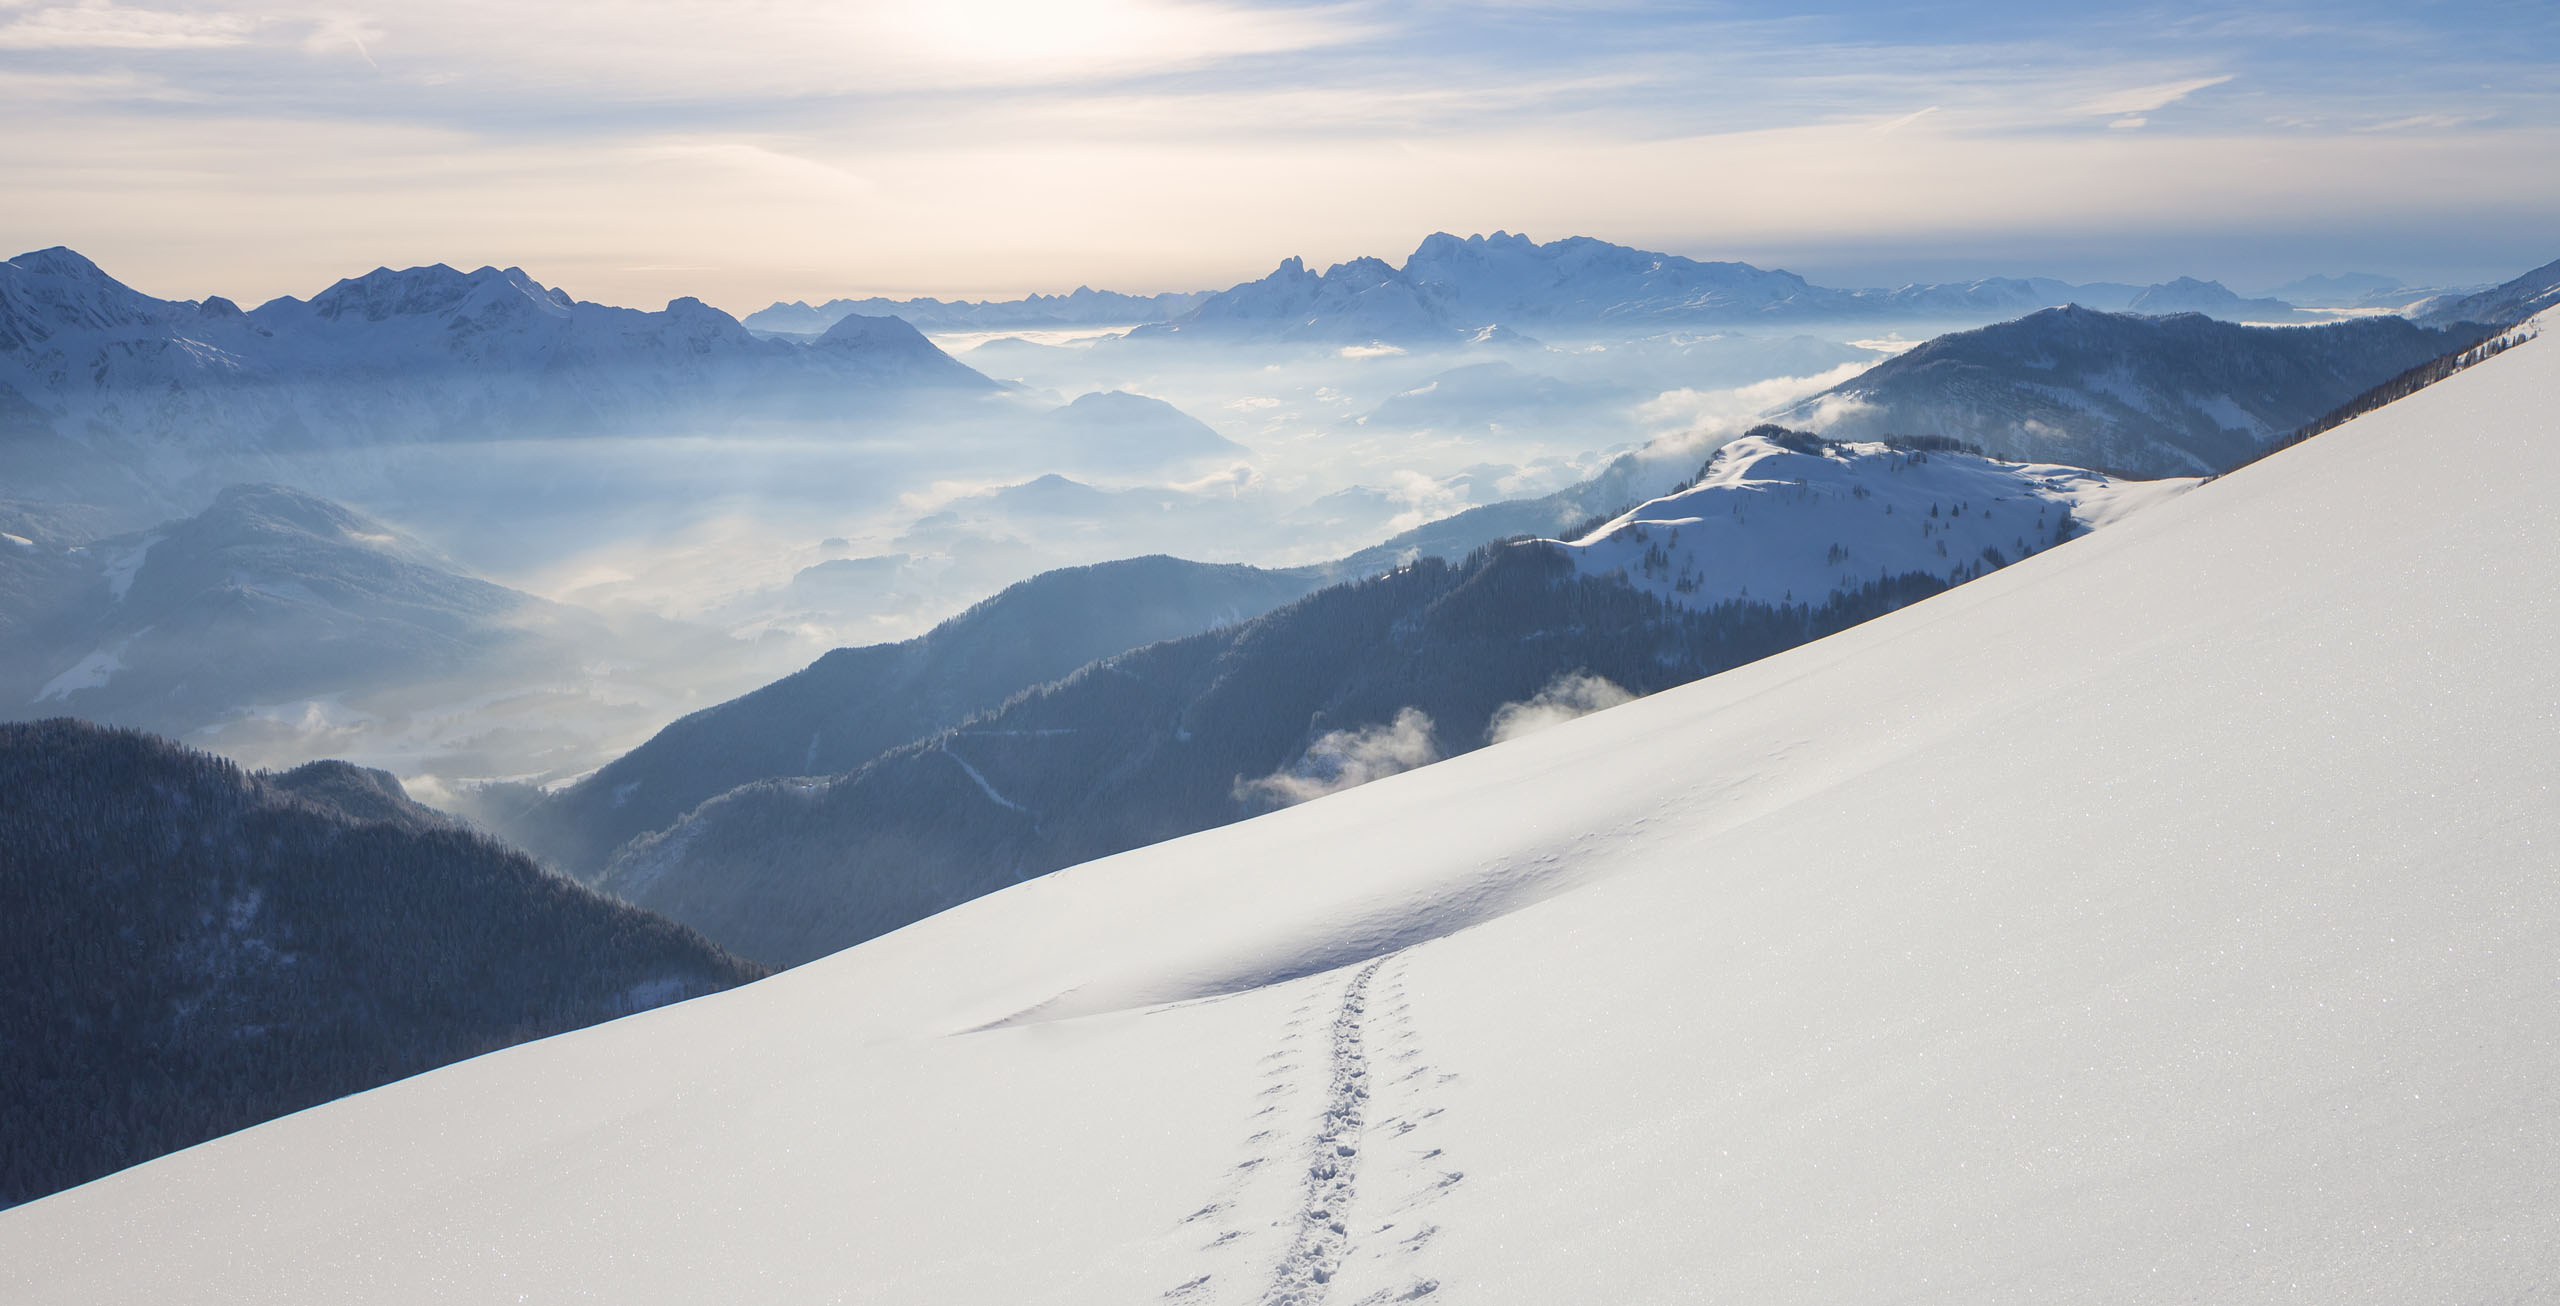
(1165, 740)
(187, 949)
(267, 594)
(2168, 396)
(855, 703)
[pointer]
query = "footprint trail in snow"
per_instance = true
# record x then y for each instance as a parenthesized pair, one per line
(1336, 1165)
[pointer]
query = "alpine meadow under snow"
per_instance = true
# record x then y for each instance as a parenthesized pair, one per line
(2164, 917)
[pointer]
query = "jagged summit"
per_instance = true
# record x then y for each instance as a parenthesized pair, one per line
(421, 291)
(187, 396)
(1451, 288)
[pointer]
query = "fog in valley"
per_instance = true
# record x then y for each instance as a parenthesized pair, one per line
(703, 563)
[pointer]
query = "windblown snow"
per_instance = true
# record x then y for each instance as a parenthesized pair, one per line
(2167, 917)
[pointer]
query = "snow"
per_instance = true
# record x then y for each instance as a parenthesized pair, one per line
(983, 787)
(19, 540)
(1777, 524)
(120, 573)
(2166, 917)
(91, 672)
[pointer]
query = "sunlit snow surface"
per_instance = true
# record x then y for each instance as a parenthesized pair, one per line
(2168, 917)
(1801, 524)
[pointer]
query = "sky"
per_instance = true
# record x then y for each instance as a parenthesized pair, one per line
(746, 151)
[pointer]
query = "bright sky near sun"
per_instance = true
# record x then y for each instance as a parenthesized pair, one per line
(750, 150)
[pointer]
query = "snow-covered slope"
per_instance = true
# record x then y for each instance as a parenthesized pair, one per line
(2167, 917)
(1802, 519)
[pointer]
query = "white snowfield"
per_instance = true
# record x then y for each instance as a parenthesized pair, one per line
(1803, 524)
(2168, 917)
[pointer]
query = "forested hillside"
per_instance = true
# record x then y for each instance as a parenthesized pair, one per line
(187, 949)
(1350, 682)
(855, 703)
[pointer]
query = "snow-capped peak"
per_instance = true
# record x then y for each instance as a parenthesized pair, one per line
(435, 290)
(1783, 517)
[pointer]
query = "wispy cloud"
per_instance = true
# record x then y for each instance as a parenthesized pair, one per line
(1005, 145)
(2148, 99)
(1346, 759)
(2425, 121)
(104, 25)
(1574, 694)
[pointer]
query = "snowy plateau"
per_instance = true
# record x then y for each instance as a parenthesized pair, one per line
(2166, 917)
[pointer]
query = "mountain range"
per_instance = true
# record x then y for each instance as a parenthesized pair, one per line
(1084, 306)
(103, 388)
(1166, 739)
(804, 854)
(856, 703)
(1451, 290)
(2164, 917)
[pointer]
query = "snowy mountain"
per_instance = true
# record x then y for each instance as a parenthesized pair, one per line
(100, 383)
(1804, 519)
(2502, 305)
(267, 595)
(1353, 681)
(856, 703)
(2149, 396)
(1424, 662)
(1450, 290)
(2165, 917)
(1084, 306)
(187, 950)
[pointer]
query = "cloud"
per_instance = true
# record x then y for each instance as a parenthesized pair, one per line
(1688, 406)
(1574, 694)
(1344, 759)
(2427, 120)
(103, 25)
(2134, 123)
(343, 30)
(2145, 99)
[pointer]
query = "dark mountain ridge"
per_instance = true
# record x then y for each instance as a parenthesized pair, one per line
(1164, 740)
(2147, 396)
(855, 703)
(187, 949)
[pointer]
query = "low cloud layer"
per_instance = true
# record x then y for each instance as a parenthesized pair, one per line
(1344, 759)
(1573, 694)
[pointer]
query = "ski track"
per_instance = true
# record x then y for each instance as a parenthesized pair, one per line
(1344, 1207)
